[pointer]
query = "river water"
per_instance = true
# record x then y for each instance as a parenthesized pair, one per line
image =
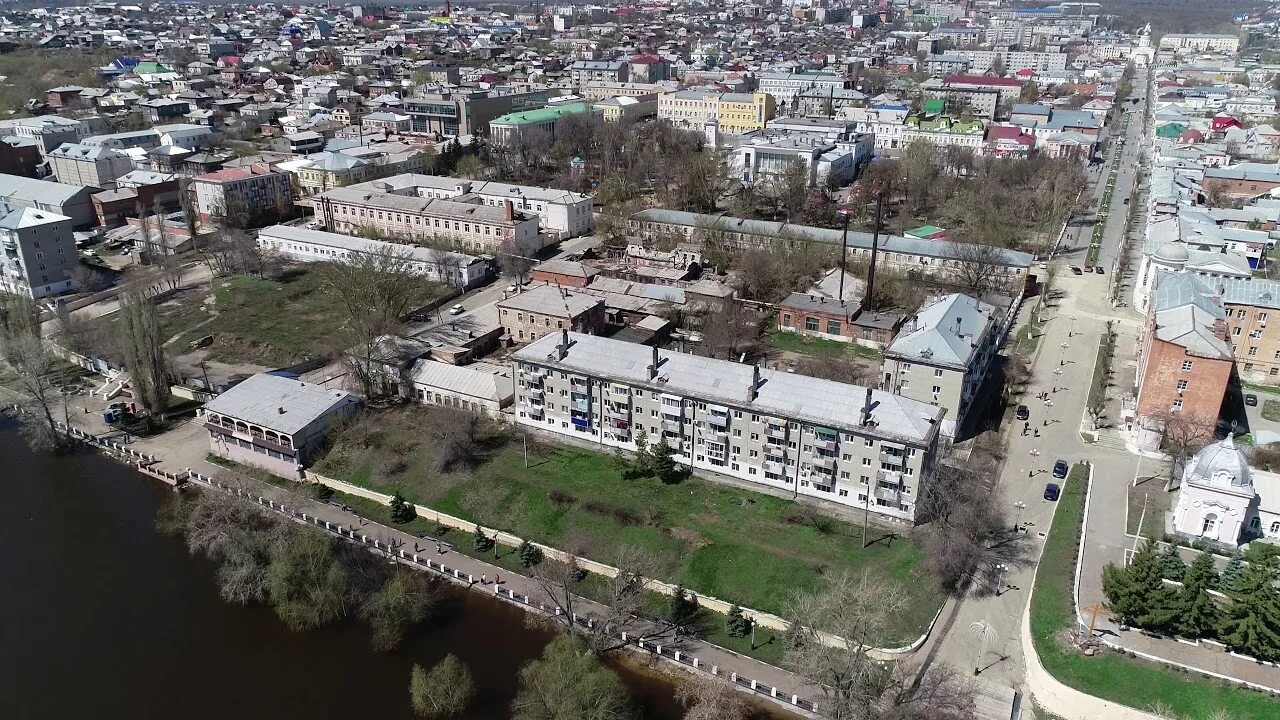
(102, 616)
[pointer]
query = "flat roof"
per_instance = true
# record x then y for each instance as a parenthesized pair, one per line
(279, 403)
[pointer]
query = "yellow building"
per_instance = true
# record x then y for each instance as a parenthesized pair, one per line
(735, 112)
(630, 108)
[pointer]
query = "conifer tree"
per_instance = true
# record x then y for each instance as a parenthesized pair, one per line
(1199, 613)
(1251, 623)
(1171, 565)
(1231, 575)
(1137, 595)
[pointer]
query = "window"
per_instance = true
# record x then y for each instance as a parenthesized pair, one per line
(1210, 525)
(1253, 351)
(811, 324)
(937, 389)
(937, 372)
(1182, 384)
(833, 327)
(1177, 405)
(786, 319)
(1235, 331)
(1275, 526)
(1186, 365)
(1262, 317)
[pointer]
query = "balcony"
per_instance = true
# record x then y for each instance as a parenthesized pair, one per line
(776, 432)
(719, 436)
(532, 391)
(582, 405)
(619, 391)
(827, 462)
(578, 385)
(533, 412)
(774, 467)
(619, 411)
(827, 445)
(718, 420)
(893, 496)
(892, 476)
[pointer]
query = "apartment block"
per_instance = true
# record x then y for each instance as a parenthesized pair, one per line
(942, 355)
(563, 213)
(855, 446)
(783, 87)
(37, 252)
(74, 201)
(589, 71)
(981, 61)
(470, 225)
(733, 112)
(1201, 42)
(249, 194)
(466, 113)
(86, 165)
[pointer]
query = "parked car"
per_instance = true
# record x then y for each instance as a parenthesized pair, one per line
(1022, 413)
(1052, 492)
(1251, 400)
(512, 287)
(1060, 469)
(1098, 269)
(1075, 270)
(456, 310)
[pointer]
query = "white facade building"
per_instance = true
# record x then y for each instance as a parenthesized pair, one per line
(445, 267)
(37, 252)
(1224, 500)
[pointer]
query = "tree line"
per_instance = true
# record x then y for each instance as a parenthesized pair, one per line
(1239, 607)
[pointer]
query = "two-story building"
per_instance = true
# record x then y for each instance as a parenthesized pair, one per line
(546, 310)
(275, 422)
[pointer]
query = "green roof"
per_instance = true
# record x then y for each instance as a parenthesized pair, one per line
(542, 115)
(1172, 130)
(925, 231)
(150, 67)
(934, 106)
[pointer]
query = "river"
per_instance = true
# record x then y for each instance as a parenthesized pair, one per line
(105, 616)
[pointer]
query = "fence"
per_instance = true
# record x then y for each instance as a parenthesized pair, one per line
(413, 559)
(763, 619)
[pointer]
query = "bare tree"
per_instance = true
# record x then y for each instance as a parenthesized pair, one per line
(1181, 436)
(142, 341)
(31, 375)
(939, 692)
(859, 610)
(375, 290)
(626, 600)
(514, 260)
(978, 267)
(711, 698)
(730, 331)
(959, 545)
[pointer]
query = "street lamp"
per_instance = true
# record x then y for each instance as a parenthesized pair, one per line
(1000, 572)
(982, 633)
(1017, 523)
(1072, 330)
(845, 212)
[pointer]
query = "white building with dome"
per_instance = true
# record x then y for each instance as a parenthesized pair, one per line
(1224, 500)
(1177, 257)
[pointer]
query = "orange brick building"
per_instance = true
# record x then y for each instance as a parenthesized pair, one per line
(1185, 363)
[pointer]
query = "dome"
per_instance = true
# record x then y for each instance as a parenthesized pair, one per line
(1221, 465)
(1173, 252)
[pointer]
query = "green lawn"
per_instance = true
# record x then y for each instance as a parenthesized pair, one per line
(710, 624)
(273, 322)
(818, 347)
(1027, 338)
(1111, 675)
(737, 545)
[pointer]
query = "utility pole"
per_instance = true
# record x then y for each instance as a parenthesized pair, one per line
(1141, 518)
(844, 249)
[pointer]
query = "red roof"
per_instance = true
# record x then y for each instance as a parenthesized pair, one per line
(646, 59)
(1009, 132)
(1025, 73)
(981, 80)
(236, 173)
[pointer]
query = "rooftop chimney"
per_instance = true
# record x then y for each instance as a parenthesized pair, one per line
(866, 408)
(653, 366)
(280, 411)
(510, 209)
(563, 347)
(754, 391)
(958, 322)
(869, 299)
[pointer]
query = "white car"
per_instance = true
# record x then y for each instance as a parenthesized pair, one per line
(456, 310)
(512, 288)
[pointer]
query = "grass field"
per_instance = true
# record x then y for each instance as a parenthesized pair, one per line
(273, 322)
(709, 625)
(737, 545)
(1111, 675)
(818, 347)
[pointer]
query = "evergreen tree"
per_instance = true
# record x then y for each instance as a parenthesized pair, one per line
(1231, 575)
(663, 463)
(736, 624)
(530, 554)
(1199, 612)
(1137, 595)
(1251, 623)
(483, 542)
(401, 511)
(1171, 565)
(323, 492)
(683, 606)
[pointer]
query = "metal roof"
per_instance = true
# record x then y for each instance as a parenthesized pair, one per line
(946, 332)
(478, 380)
(781, 394)
(278, 403)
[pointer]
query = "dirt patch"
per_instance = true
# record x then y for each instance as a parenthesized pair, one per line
(692, 538)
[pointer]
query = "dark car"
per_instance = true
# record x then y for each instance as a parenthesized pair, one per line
(1052, 491)
(1022, 413)
(1060, 469)
(1098, 269)
(1075, 270)
(1251, 400)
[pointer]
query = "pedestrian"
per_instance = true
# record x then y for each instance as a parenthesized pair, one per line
(1037, 432)
(483, 579)
(1044, 423)
(439, 549)
(497, 579)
